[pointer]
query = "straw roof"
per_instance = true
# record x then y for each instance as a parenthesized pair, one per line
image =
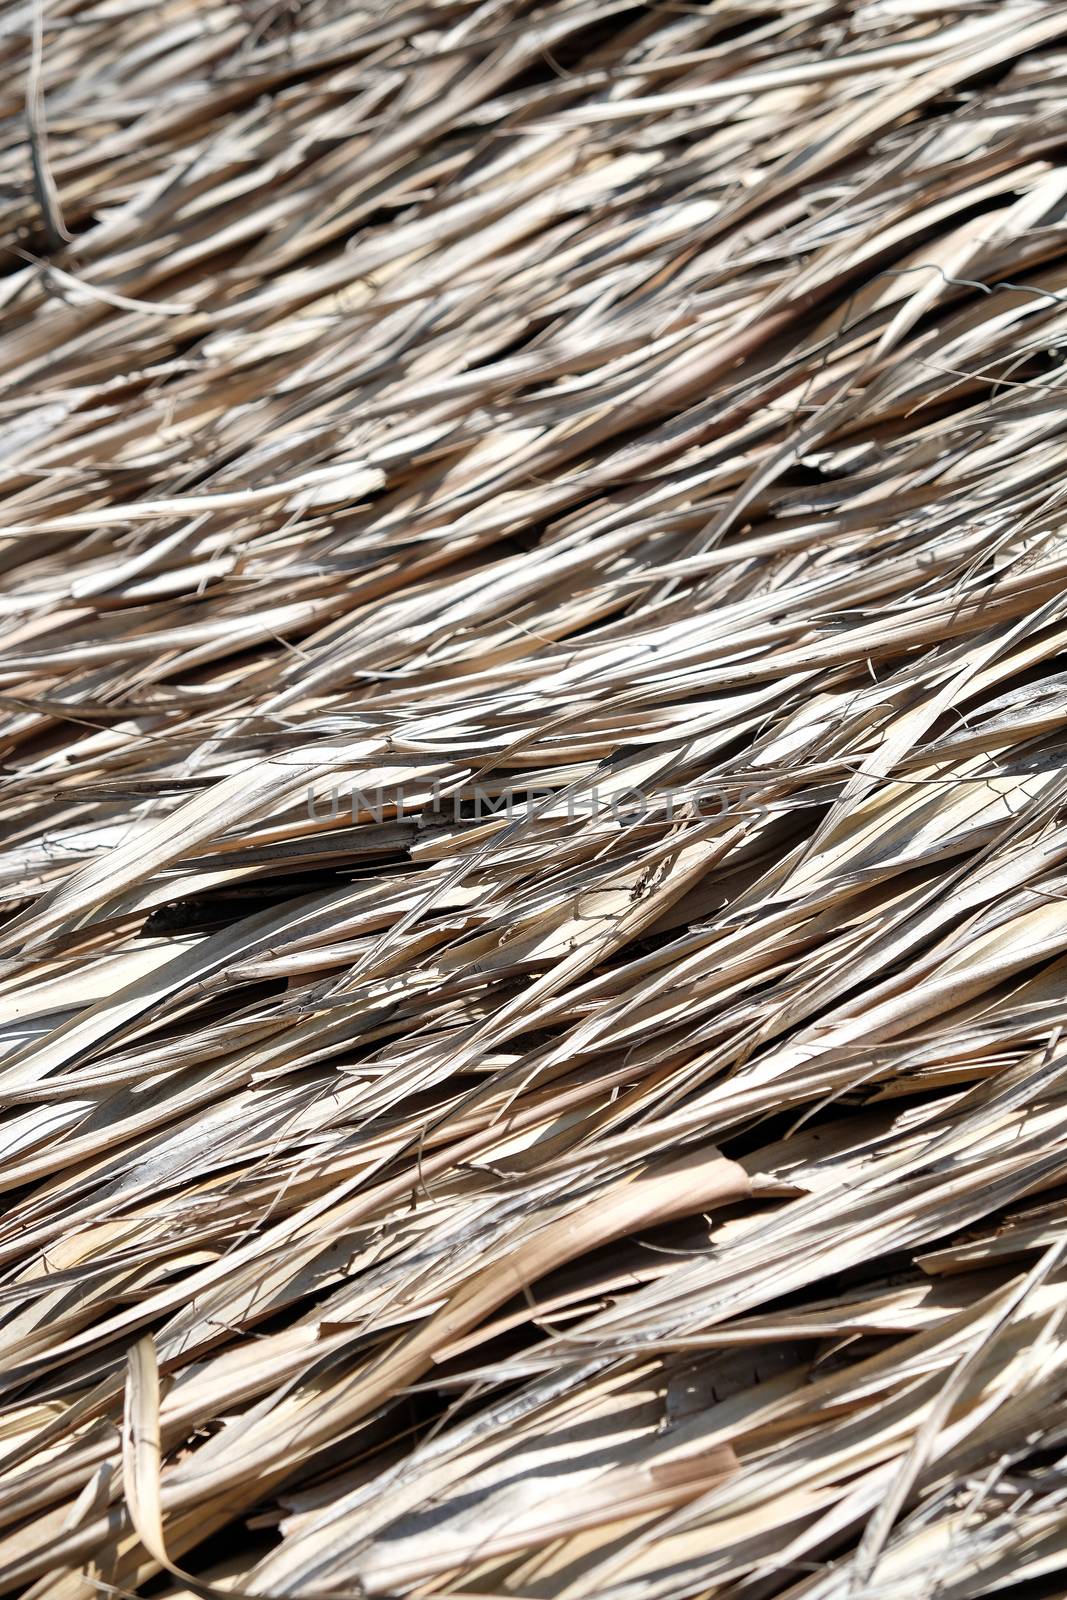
(534, 869)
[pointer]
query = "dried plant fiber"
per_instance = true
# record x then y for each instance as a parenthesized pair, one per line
(533, 799)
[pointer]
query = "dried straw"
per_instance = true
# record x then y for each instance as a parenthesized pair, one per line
(649, 416)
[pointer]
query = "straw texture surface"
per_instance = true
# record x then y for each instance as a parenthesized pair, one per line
(533, 849)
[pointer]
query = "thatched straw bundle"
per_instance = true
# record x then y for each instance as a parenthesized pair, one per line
(534, 955)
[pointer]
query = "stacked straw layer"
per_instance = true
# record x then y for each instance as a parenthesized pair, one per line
(533, 864)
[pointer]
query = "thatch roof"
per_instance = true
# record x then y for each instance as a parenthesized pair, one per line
(532, 664)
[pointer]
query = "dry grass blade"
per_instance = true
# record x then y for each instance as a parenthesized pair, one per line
(533, 872)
